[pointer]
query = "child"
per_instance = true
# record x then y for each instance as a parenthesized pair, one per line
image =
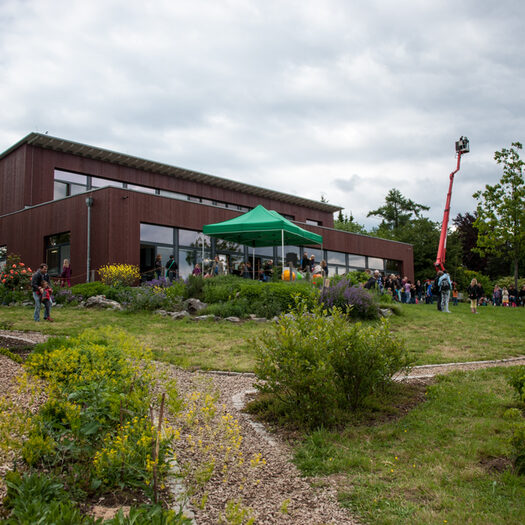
(45, 295)
(505, 296)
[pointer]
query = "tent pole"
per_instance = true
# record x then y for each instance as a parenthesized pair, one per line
(253, 263)
(282, 250)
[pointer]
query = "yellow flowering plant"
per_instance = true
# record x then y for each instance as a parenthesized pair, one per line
(119, 274)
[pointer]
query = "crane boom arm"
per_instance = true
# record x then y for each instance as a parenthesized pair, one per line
(462, 146)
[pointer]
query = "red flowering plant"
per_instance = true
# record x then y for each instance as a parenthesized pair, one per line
(15, 277)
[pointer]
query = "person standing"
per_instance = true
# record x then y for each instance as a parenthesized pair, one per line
(171, 269)
(47, 300)
(37, 285)
(474, 294)
(445, 285)
(436, 291)
(158, 266)
(65, 276)
(324, 268)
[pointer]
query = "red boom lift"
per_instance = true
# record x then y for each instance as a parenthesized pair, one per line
(462, 146)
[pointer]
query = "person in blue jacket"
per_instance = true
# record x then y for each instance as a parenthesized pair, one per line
(445, 285)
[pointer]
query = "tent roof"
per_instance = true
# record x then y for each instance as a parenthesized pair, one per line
(262, 227)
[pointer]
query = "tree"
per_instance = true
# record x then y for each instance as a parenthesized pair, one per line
(397, 211)
(348, 224)
(501, 210)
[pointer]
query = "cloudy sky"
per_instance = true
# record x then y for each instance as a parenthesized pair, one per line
(339, 98)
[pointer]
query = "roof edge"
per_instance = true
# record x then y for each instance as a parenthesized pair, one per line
(105, 155)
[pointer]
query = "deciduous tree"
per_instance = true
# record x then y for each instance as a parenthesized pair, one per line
(501, 210)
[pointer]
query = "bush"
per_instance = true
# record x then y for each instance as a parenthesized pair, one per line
(15, 281)
(318, 367)
(517, 381)
(119, 274)
(354, 300)
(253, 297)
(194, 287)
(463, 277)
(86, 290)
(518, 442)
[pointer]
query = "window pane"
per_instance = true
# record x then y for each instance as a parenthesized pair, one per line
(153, 233)
(173, 195)
(318, 254)
(67, 176)
(263, 250)
(228, 246)
(187, 261)
(142, 189)
(376, 264)
(193, 238)
(338, 258)
(75, 189)
(59, 190)
(312, 222)
(3, 256)
(97, 182)
(357, 261)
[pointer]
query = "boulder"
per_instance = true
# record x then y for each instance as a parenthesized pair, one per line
(179, 315)
(194, 305)
(204, 318)
(233, 319)
(100, 301)
(385, 312)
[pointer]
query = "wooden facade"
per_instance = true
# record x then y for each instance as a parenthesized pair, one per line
(29, 214)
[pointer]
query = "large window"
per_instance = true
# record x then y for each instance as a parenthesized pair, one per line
(356, 261)
(157, 234)
(67, 184)
(57, 249)
(3, 256)
(374, 263)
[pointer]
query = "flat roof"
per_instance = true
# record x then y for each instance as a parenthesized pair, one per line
(105, 155)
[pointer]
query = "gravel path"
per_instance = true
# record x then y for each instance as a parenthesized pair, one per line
(273, 491)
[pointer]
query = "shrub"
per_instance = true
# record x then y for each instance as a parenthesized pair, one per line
(119, 274)
(86, 290)
(518, 442)
(317, 367)
(517, 380)
(15, 281)
(254, 297)
(463, 278)
(356, 301)
(356, 278)
(194, 287)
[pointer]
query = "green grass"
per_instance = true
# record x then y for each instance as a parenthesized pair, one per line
(436, 337)
(206, 345)
(446, 461)
(431, 336)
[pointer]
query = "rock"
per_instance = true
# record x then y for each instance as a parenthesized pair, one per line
(100, 301)
(385, 312)
(28, 303)
(204, 318)
(259, 319)
(163, 313)
(194, 305)
(179, 315)
(233, 319)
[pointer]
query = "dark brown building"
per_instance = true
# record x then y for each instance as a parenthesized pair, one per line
(64, 200)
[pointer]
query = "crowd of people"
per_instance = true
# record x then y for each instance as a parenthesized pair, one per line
(440, 290)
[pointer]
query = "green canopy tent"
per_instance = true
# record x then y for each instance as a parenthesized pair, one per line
(262, 227)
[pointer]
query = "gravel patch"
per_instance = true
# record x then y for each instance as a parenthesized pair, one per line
(275, 492)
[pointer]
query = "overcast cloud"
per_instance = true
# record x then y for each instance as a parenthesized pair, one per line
(336, 98)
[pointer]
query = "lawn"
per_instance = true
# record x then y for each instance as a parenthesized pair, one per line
(446, 461)
(430, 336)
(436, 337)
